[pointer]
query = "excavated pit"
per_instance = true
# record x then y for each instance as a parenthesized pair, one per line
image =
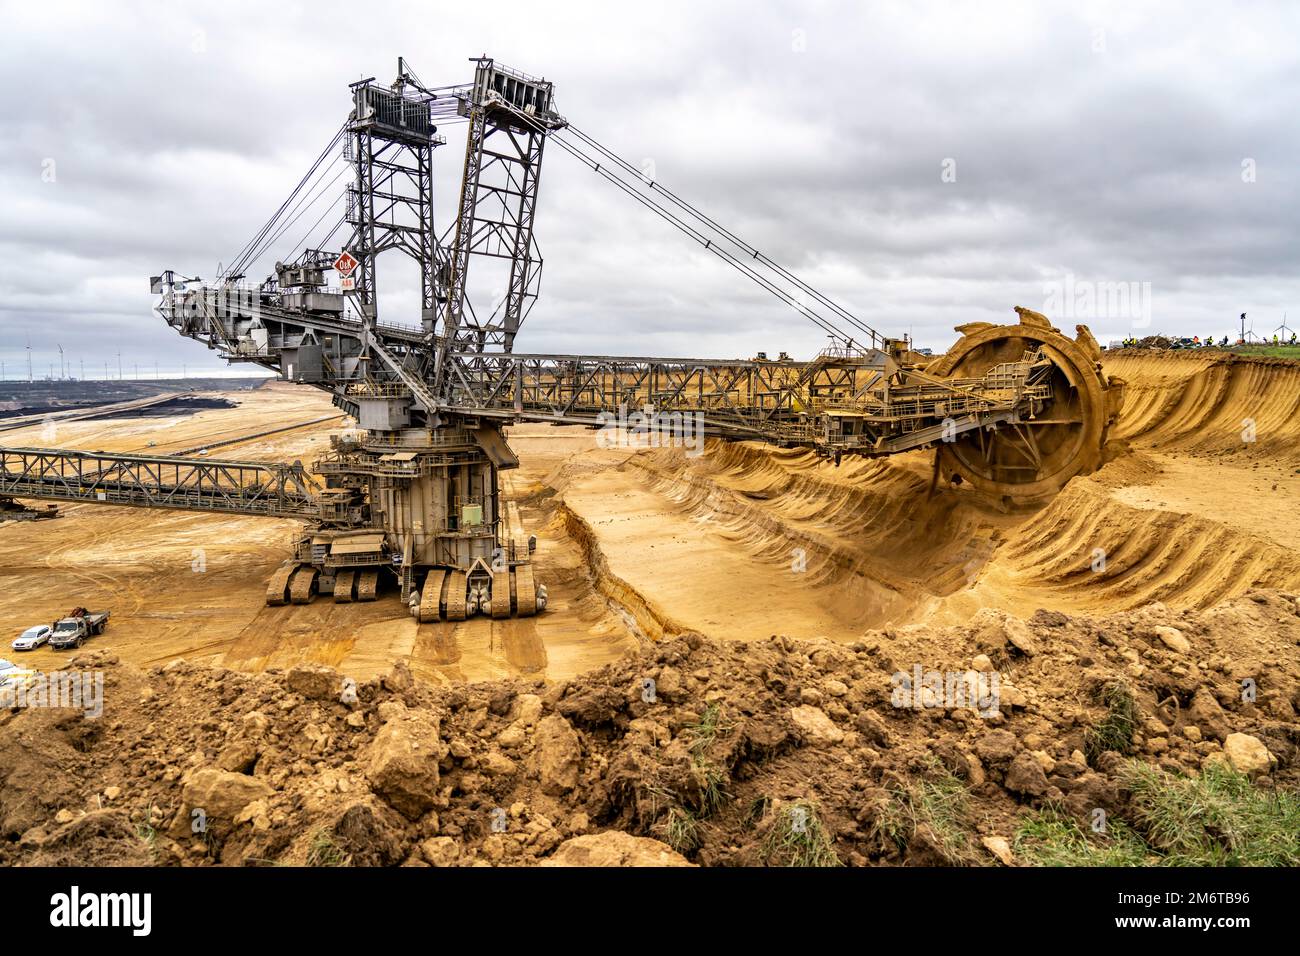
(737, 543)
(746, 540)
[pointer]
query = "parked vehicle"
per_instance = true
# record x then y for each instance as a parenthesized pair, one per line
(73, 630)
(12, 676)
(32, 638)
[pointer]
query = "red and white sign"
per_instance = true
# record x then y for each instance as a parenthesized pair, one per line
(348, 284)
(345, 263)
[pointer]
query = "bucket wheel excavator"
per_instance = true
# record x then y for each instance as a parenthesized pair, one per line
(409, 495)
(1027, 462)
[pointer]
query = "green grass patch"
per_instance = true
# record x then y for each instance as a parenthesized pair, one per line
(1217, 818)
(798, 838)
(1269, 351)
(1051, 837)
(941, 803)
(1115, 730)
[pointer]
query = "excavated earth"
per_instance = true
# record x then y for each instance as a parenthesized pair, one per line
(769, 596)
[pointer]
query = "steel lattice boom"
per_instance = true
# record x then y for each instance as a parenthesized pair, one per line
(190, 484)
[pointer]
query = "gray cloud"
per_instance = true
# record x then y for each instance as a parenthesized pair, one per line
(1104, 143)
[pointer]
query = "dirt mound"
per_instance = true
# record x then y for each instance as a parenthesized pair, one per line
(1201, 403)
(775, 751)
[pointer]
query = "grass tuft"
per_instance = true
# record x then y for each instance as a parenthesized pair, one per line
(680, 829)
(706, 730)
(1218, 818)
(941, 804)
(712, 779)
(324, 851)
(1115, 730)
(757, 810)
(148, 834)
(798, 838)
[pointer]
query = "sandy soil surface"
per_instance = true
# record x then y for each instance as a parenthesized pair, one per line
(193, 585)
(737, 543)
(773, 599)
(1192, 511)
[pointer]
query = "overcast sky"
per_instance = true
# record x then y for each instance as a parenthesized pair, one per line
(924, 164)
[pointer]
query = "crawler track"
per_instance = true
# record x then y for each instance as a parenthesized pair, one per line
(277, 590)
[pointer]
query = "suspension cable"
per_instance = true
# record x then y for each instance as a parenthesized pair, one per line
(709, 245)
(241, 259)
(667, 215)
(309, 200)
(717, 227)
(302, 243)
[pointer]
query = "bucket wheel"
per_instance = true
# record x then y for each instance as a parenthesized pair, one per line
(1022, 464)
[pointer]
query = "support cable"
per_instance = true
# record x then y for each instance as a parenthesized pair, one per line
(242, 258)
(603, 170)
(717, 227)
